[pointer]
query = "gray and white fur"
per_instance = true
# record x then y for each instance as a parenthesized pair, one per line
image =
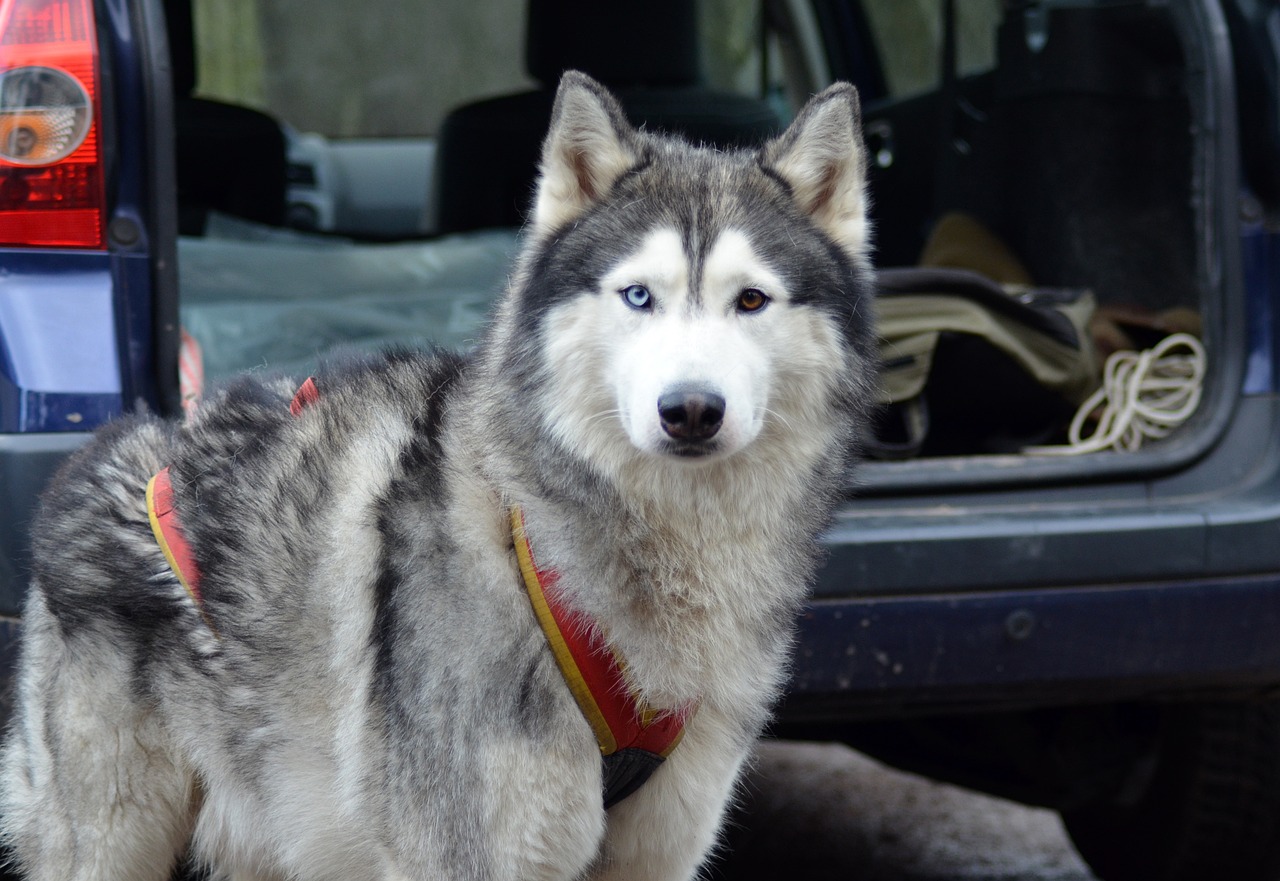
(671, 391)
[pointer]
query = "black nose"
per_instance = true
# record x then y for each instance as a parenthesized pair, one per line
(691, 414)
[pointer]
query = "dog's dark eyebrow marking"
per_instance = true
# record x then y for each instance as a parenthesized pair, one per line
(691, 243)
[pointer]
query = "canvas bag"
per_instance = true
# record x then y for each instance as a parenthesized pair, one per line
(970, 366)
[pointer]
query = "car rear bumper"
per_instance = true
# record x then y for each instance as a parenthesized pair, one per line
(937, 653)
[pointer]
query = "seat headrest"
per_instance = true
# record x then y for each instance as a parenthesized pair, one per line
(182, 46)
(622, 43)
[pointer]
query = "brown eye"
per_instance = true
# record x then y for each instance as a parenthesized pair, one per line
(752, 300)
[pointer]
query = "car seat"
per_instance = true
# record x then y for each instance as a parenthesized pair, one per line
(646, 51)
(229, 158)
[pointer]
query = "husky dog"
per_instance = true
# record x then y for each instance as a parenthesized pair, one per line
(361, 684)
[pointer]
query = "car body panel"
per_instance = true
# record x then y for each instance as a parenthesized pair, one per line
(59, 354)
(880, 657)
(931, 553)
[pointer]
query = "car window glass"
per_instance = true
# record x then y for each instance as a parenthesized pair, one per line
(909, 35)
(330, 67)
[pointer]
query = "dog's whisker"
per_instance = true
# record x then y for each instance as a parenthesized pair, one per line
(778, 415)
(603, 414)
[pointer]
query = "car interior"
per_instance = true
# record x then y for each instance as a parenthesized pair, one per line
(1036, 174)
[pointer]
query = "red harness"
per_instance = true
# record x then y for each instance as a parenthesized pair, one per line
(634, 739)
(169, 535)
(167, 528)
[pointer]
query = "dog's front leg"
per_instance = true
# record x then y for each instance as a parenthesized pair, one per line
(664, 831)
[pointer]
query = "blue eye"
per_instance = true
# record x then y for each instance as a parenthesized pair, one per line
(637, 296)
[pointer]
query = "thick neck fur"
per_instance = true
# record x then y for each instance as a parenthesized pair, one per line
(694, 570)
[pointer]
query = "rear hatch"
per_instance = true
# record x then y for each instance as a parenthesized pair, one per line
(322, 156)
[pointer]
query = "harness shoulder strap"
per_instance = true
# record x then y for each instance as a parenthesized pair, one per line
(169, 535)
(166, 526)
(634, 738)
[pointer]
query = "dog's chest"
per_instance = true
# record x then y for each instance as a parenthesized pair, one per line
(545, 806)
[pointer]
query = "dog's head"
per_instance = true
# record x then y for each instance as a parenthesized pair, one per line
(683, 304)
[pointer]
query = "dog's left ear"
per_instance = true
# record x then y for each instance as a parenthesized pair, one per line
(822, 158)
(589, 146)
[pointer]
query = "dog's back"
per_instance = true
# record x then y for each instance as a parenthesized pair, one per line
(300, 524)
(257, 482)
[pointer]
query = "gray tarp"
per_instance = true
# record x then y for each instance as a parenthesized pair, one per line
(257, 298)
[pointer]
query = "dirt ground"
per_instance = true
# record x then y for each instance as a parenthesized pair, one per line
(814, 812)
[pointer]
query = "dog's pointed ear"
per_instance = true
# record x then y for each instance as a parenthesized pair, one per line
(822, 159)
(589, 146)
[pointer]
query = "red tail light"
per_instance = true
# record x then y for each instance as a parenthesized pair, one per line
(51, 187)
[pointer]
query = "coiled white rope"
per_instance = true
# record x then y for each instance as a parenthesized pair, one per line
(1144, 396)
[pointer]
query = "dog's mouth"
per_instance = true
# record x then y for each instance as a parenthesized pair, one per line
(691, 449)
